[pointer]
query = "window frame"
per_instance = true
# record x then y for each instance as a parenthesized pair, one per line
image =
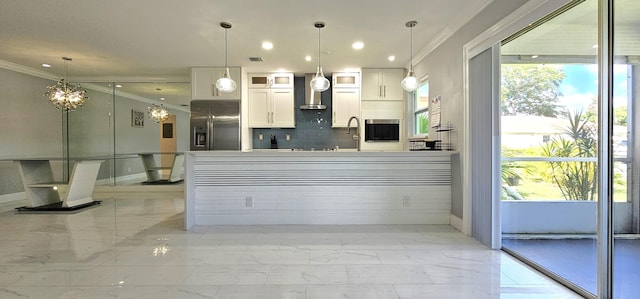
(415, 111)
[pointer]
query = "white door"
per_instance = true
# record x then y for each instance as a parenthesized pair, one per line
(371, 84)
(345, 104)
(202, 84)
(392, 91)
(259, 108)
(283, 113)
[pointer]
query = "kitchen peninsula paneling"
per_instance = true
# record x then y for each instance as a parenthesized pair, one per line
(203, 83)
(317, 188)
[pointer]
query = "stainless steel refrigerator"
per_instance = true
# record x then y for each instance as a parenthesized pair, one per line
(215, 125)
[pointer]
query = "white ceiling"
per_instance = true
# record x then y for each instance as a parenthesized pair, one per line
(124, 40)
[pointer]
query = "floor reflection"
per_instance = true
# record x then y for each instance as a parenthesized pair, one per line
(134, 245)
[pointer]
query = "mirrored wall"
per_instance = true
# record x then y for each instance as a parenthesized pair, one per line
(116, 124)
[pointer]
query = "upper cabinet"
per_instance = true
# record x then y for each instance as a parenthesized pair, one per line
(345, 98)
(271, 108)
(382, 84)
(267, 80)
(271, 100)
(203, 83)
(346, 80)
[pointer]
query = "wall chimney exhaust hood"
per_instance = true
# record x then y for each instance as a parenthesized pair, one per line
(312, 100)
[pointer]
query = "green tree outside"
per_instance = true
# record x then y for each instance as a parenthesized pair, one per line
(531, 89)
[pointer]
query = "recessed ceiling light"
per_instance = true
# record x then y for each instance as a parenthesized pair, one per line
(267, 45)
(46, 65)
(391, 58)
(357, 45)
(534, 56)
(307, 58)
(161, 99)
(118, 85)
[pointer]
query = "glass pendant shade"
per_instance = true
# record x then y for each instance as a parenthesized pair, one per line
(226, 84)
(319, 83)
(410, 82)
(64, 96)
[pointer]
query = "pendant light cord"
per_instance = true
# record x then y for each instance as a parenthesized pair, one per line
(66, 73)
(318, 47)
(411, 57)
(225, 47)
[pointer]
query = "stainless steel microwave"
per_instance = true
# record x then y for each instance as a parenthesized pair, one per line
(381, 130)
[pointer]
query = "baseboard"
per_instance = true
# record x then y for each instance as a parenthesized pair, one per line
(139, 188)
(5, 198)
(456, 223)
(130, 177)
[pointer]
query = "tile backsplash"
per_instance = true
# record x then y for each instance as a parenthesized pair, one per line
(313, 127)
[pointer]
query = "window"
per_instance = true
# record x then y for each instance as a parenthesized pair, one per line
(421, 109)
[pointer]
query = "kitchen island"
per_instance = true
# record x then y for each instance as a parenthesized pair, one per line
(317, 187)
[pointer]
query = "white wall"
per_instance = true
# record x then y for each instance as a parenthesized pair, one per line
(444, 66)
(29, 125)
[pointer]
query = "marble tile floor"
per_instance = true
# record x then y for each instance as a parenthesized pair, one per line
(134, 246)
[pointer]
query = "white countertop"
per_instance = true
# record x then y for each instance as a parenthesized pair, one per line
(340, 152)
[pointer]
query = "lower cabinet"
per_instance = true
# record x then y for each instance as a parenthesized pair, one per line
(271, 108)
(345, 104)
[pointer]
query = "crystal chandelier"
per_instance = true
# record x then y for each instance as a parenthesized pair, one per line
(64, 96)
(158, 113)
(410, 82)
(319, 83)
(225, 84)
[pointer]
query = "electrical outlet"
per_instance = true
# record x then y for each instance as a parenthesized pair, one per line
(248, 202)
(406, 201)
(129, 170)
(260, 136)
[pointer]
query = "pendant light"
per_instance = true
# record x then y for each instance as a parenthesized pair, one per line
(64, 96)
(410, 82)
(158, 113)
(225, 84)
(319, 83)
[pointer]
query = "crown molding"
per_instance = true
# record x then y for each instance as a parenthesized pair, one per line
(444, 35)
(27, 70)
(96, 87)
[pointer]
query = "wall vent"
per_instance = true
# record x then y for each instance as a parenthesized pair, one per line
(255, 59)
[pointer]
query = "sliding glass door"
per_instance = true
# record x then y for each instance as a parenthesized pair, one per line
(552, 120)
(626, 245)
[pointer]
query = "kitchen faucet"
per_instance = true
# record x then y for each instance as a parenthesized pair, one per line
(355, 135)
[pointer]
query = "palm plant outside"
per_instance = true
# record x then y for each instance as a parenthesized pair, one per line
(577, 180)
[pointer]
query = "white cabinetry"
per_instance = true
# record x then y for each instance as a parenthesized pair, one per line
(382, 84)
(266, 80)
(271, 100)
(346, 80)
(345, 104)
(345, 98)
(271, 108)
(203, 83)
